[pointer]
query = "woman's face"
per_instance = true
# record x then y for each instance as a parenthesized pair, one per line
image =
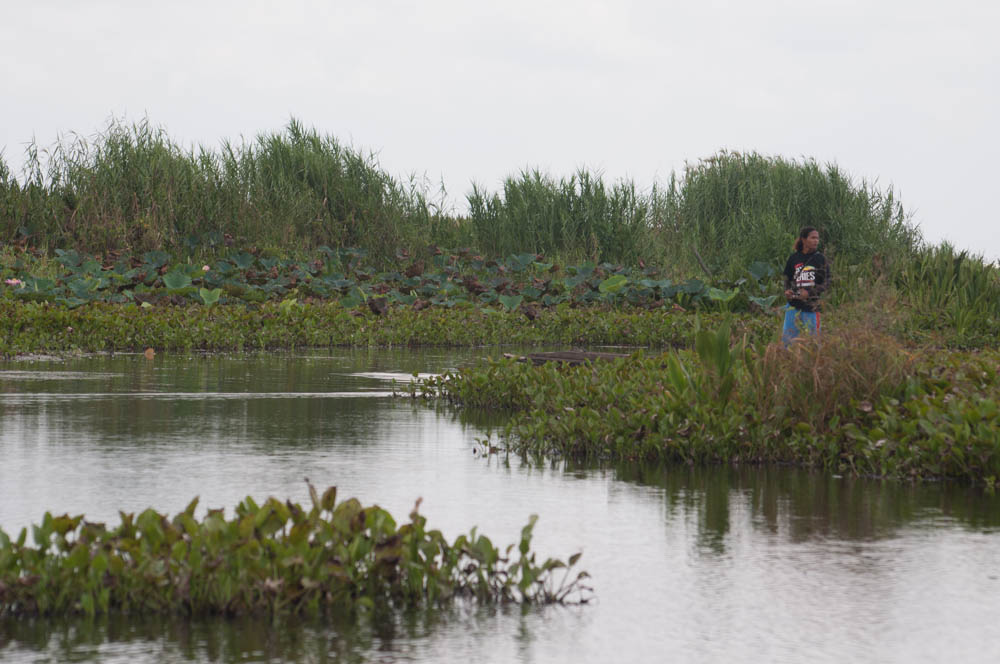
(811, 242)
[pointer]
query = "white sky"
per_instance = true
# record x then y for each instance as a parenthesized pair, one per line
(903, 93)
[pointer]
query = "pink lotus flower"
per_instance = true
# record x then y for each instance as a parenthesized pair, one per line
(205, 268)
(14, 282)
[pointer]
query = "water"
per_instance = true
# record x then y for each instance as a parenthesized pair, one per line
(696, 565)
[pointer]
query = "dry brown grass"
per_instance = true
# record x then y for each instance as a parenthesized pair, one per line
(853, 363)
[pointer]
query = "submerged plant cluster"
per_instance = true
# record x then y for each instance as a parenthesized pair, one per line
(274, 558)
(855, 401)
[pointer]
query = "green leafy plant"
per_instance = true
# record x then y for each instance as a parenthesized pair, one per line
(274, 557)
(209, 297)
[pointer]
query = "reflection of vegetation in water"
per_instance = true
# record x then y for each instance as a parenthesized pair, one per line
(801, 505)
(252, 399)
(211, 639)
(333, 638)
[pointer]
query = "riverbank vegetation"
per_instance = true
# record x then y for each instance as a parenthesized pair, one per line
(131, 189)
(246, 300)
(130, 241)
(273, 558)
(855, 401)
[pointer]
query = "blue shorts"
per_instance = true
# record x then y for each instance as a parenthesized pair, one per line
(796, 319)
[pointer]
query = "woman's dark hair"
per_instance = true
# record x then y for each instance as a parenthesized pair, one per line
(803, 234)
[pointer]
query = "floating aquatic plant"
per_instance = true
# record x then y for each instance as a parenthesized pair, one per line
(273, 557)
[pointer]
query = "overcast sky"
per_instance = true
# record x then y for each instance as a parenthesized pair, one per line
(901, 93)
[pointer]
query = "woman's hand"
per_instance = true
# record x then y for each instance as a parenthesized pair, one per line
(789, 294)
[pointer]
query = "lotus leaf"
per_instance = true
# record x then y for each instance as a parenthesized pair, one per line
(176, 279)
(613, 284)
(511, 302)
(155, 259)
(243, 260)
(208, 297)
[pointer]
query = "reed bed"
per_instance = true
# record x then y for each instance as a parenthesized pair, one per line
(577, 216)
(729, 210)
(131, 189)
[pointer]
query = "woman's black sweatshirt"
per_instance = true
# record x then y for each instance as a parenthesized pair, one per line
(808, 271)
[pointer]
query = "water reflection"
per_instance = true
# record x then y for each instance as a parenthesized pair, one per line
(799, 505)
(696, 564)
(398, 636)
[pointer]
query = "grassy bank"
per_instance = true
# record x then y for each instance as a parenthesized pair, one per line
(249, 300)
(731, 209)
(129, 241)
(133, 189)
(272, 558)
(42, 327)
(855, 402)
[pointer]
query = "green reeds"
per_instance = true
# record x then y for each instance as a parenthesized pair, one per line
(578, 217)
(951, 291)
(133, 189)
(733, 209)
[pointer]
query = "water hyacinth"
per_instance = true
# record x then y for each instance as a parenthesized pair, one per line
(276, 557)
(853, 402)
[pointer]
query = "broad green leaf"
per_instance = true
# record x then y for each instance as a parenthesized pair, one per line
(68, 258)
(209, 297)
(759, 270)
(763, 302)
(692, 287)
(176, 279)
(155, 259)
(613, 284)
(402, 298)
(520, 262)
(71, 302)
(511, 302)
(243, 260)
(719, 295)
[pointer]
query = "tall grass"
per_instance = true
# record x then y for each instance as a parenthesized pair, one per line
(577, 216)
(819, 376)
(733, 209)
(951, 290)
(132, 188)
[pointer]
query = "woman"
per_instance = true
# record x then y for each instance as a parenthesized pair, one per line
(807, 275)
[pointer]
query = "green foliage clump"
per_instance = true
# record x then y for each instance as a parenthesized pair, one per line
(275, 558)
(851, 401)
(27, 327)
(949, 297)
(133, 189)
(732, 209)
(578, 216)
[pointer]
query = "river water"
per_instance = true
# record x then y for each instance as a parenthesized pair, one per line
(688, 565)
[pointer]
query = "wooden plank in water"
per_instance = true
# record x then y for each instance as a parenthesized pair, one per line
(570, 357)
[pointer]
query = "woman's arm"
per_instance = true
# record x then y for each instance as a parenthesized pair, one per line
(789, 274)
